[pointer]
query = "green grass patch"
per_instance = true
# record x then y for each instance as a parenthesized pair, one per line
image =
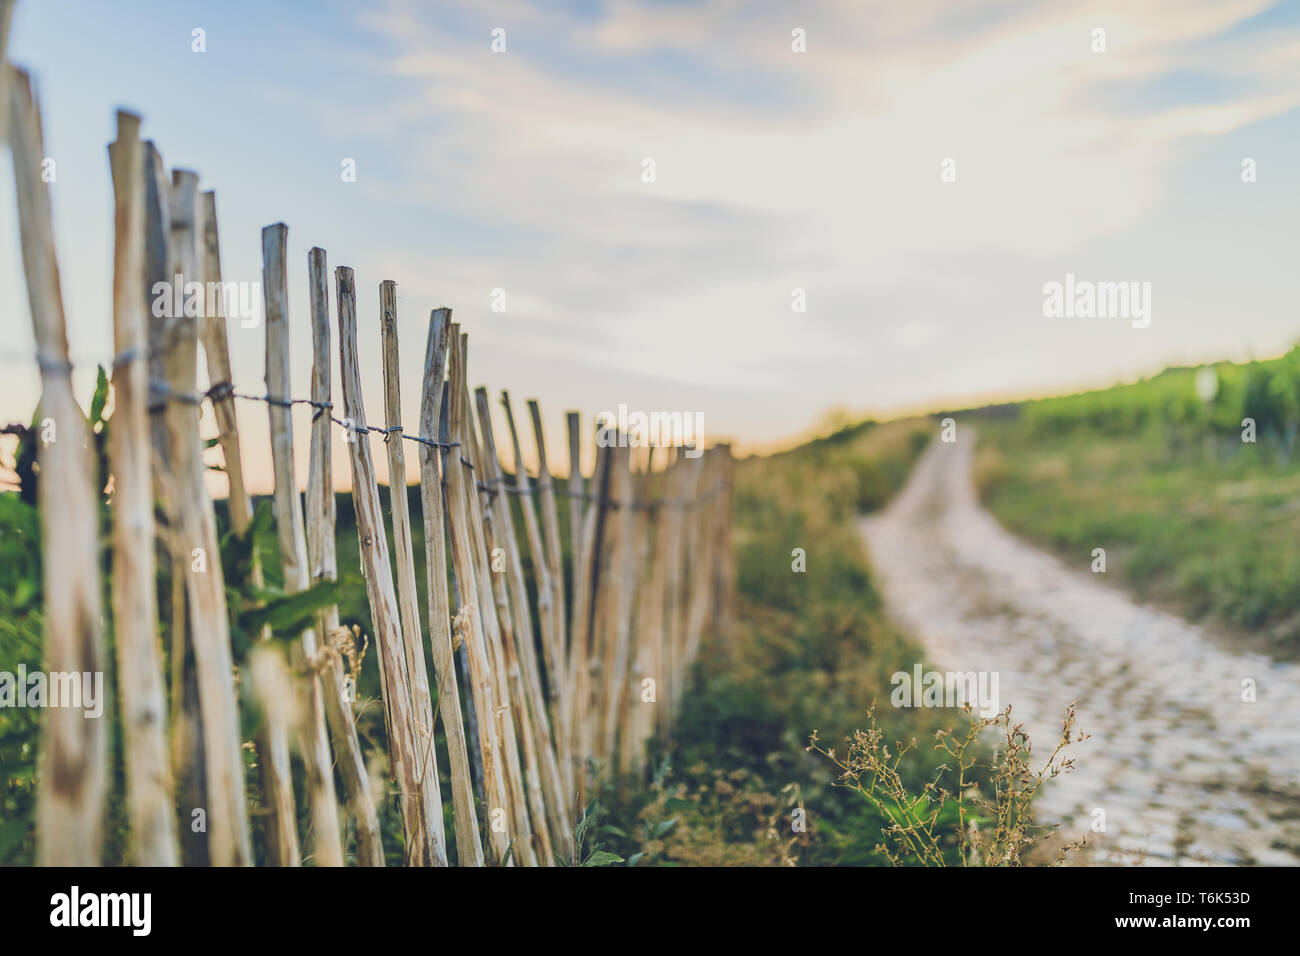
(1190, 515)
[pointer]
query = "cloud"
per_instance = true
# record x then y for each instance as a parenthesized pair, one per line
(777, 170)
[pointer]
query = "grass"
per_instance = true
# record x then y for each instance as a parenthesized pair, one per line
(1190, 516)
(812, 654)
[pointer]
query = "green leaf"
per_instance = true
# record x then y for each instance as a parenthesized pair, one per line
(677, 805)
(100, 398)
(602, 858)
(263, 519)
(288, 615)
(663, 827)
(588, 818)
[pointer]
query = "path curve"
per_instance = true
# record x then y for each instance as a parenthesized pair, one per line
(1184, 770)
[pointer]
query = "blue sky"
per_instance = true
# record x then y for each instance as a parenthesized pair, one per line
(775, 170)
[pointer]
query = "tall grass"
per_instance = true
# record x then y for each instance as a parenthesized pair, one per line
(1190, 514)
(813, 652)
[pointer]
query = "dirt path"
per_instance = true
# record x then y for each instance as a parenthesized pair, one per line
(1184, 770)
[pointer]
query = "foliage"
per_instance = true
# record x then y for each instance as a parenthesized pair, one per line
(22, 623)
(951, 816)
(810, 650)
(1190, 515)
(252, 607)
(587, 850)
(21, 632)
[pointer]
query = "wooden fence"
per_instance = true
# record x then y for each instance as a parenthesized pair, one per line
(537, 678)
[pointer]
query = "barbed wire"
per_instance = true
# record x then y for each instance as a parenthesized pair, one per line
(223, 391)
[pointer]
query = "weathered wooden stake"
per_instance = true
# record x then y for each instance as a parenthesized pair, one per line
(469, 623)
(636, 714)
(313, 740)
(578, 710)
(196, 538)
(552, 642)
(408, 599)
(70, 807)
(491, 605)
(576, 490)
(185, 723)
(519, 642)
(555, 574)
(469, 848)
(673, 612)
(403, 751)
(623, 587)
(143, 706)
(320, 509)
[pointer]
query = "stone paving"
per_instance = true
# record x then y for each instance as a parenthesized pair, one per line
(1186, 772)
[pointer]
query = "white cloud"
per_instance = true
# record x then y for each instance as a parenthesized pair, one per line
(818, 170)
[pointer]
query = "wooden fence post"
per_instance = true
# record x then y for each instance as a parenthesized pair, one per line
(552, 642)
(578, 710)
(313, 740)
(460, 650)
(527, 489)
(576, 491)
(673, 587)
(623, 587)
(550, 522)
(501, 630)
(272, 742)
(135, 609)
(70, 807)
(489, 603)
(636, 718)
(269, 681)
(520, 644)
(320, 509)
(469, 848)
(562, 621)
(704, 543)
(469, 623)
(683, 567)
(403, 752)
(185, 723)
(158, 263)
(652, 619)
(196, 538)
(408, 600)
(216, 349)
(277, 782)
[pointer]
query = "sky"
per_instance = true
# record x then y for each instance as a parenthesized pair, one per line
(774, 170)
